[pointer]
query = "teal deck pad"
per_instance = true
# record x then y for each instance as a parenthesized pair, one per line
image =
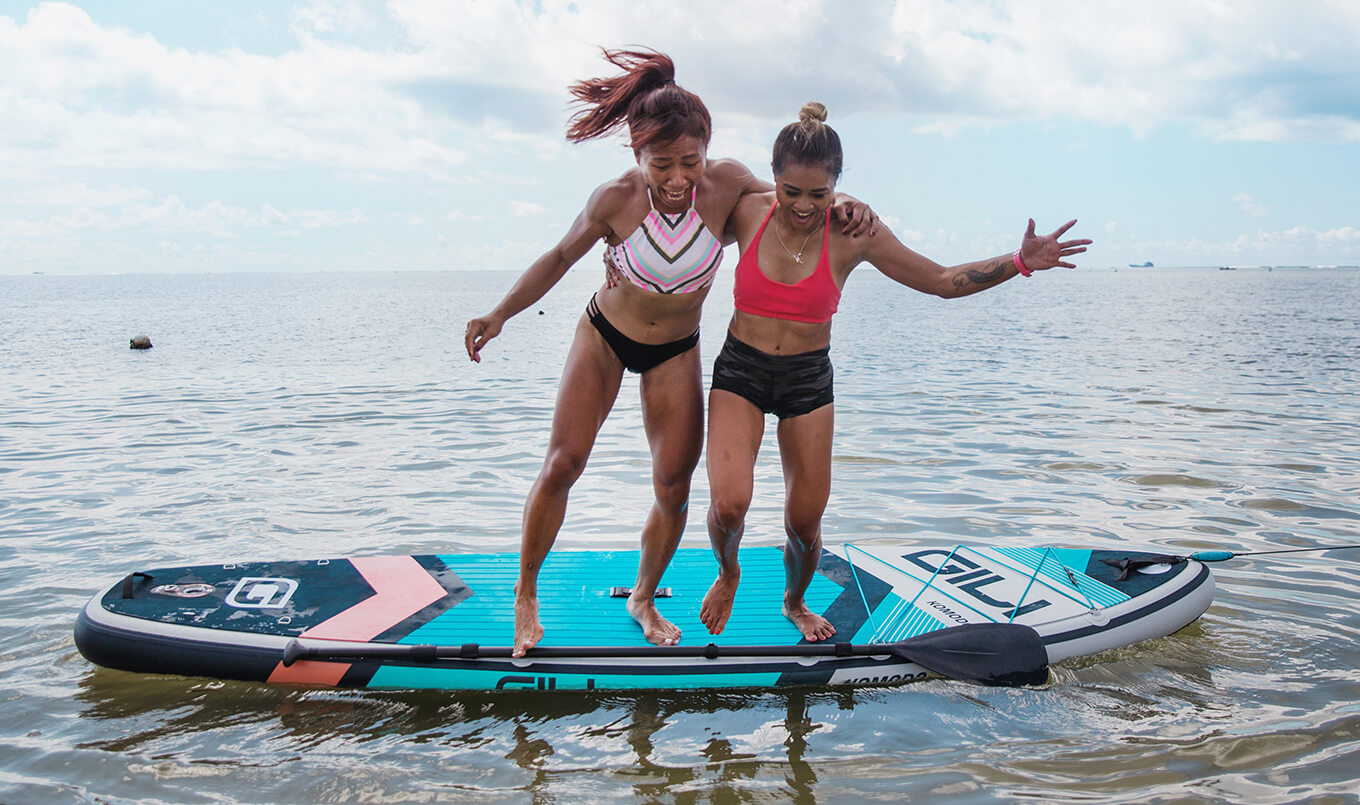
(575, 607)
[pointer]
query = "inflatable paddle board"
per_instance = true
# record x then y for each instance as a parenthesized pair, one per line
(902, 612)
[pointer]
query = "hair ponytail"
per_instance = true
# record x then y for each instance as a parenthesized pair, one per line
(646, 98)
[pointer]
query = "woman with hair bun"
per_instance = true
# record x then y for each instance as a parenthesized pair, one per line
(664, 223)
(776, 359)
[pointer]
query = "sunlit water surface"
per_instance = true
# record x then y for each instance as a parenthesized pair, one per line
(284, 416)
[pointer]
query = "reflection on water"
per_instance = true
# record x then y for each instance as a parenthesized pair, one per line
(635, 740)
(289, 417)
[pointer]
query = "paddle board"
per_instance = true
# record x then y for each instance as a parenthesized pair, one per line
(434, 622)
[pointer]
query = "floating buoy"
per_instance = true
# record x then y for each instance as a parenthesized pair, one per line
(140, 342)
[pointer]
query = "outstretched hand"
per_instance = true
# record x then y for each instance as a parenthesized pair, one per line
(1039, 253)
(478, 332)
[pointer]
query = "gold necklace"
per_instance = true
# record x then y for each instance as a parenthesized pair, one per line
(797, 258)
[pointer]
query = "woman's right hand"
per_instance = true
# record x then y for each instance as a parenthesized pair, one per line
(478, 332)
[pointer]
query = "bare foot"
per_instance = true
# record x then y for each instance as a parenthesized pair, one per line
(813, 626)
(528, 631)
(655, 628)
(717, 606)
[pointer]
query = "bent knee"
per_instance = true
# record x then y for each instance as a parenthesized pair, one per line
(672, 494)
(728, 512)
(561, 468)
(675, 470)
(805, 531)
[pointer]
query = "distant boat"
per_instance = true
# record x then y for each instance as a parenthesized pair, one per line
(1141, 265)
(1227, 268)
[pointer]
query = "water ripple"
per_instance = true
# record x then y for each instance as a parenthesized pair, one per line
(1169, 410)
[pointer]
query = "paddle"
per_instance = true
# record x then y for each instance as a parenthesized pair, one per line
(1126, 565)
(1006, 654)
(1223, 556)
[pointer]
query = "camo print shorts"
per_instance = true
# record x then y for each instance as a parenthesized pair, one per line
(783, 385)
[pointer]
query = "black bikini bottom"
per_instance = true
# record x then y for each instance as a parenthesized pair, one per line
(636, 356)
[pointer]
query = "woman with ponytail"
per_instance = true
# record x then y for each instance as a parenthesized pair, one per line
(777, 355)
(664, 223)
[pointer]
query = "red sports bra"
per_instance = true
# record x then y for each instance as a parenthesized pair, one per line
(812, 299)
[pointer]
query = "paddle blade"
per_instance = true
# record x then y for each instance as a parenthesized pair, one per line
(1006, 654)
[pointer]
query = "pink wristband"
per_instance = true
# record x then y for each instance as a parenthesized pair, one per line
(1020, 264)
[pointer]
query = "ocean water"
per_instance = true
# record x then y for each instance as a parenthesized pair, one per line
(297, 416)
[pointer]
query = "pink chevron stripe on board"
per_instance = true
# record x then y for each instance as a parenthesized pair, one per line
(401, 588)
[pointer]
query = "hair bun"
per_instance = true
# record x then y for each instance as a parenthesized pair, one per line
(812, 111)
(808, 142)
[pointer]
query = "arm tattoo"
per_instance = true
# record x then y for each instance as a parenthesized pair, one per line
(994, 271)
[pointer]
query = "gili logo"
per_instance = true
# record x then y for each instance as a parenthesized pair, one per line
(261, 593)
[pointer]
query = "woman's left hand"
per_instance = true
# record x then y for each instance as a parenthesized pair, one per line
(613, 275)
(1039, 253)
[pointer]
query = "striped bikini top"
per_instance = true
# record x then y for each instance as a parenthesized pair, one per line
(670, 254)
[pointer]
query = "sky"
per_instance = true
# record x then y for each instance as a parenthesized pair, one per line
(259, 135)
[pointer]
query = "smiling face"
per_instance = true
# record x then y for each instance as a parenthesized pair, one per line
(804, 192)
(672, 170)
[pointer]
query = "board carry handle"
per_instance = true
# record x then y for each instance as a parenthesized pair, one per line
(1002, 654)
(626, 592)
(129, 583)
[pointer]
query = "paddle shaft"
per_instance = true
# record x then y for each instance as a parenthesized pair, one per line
(990, 653)
(1222, 556)
(472, 651)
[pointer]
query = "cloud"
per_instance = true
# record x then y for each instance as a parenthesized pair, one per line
(358, 111)
(79, 93)
(1341, 235)
(894, 225)
(1292, 246)
(1249, 205)
(1252, 69)
(38, 193)
(331, 16)
(170, 214)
